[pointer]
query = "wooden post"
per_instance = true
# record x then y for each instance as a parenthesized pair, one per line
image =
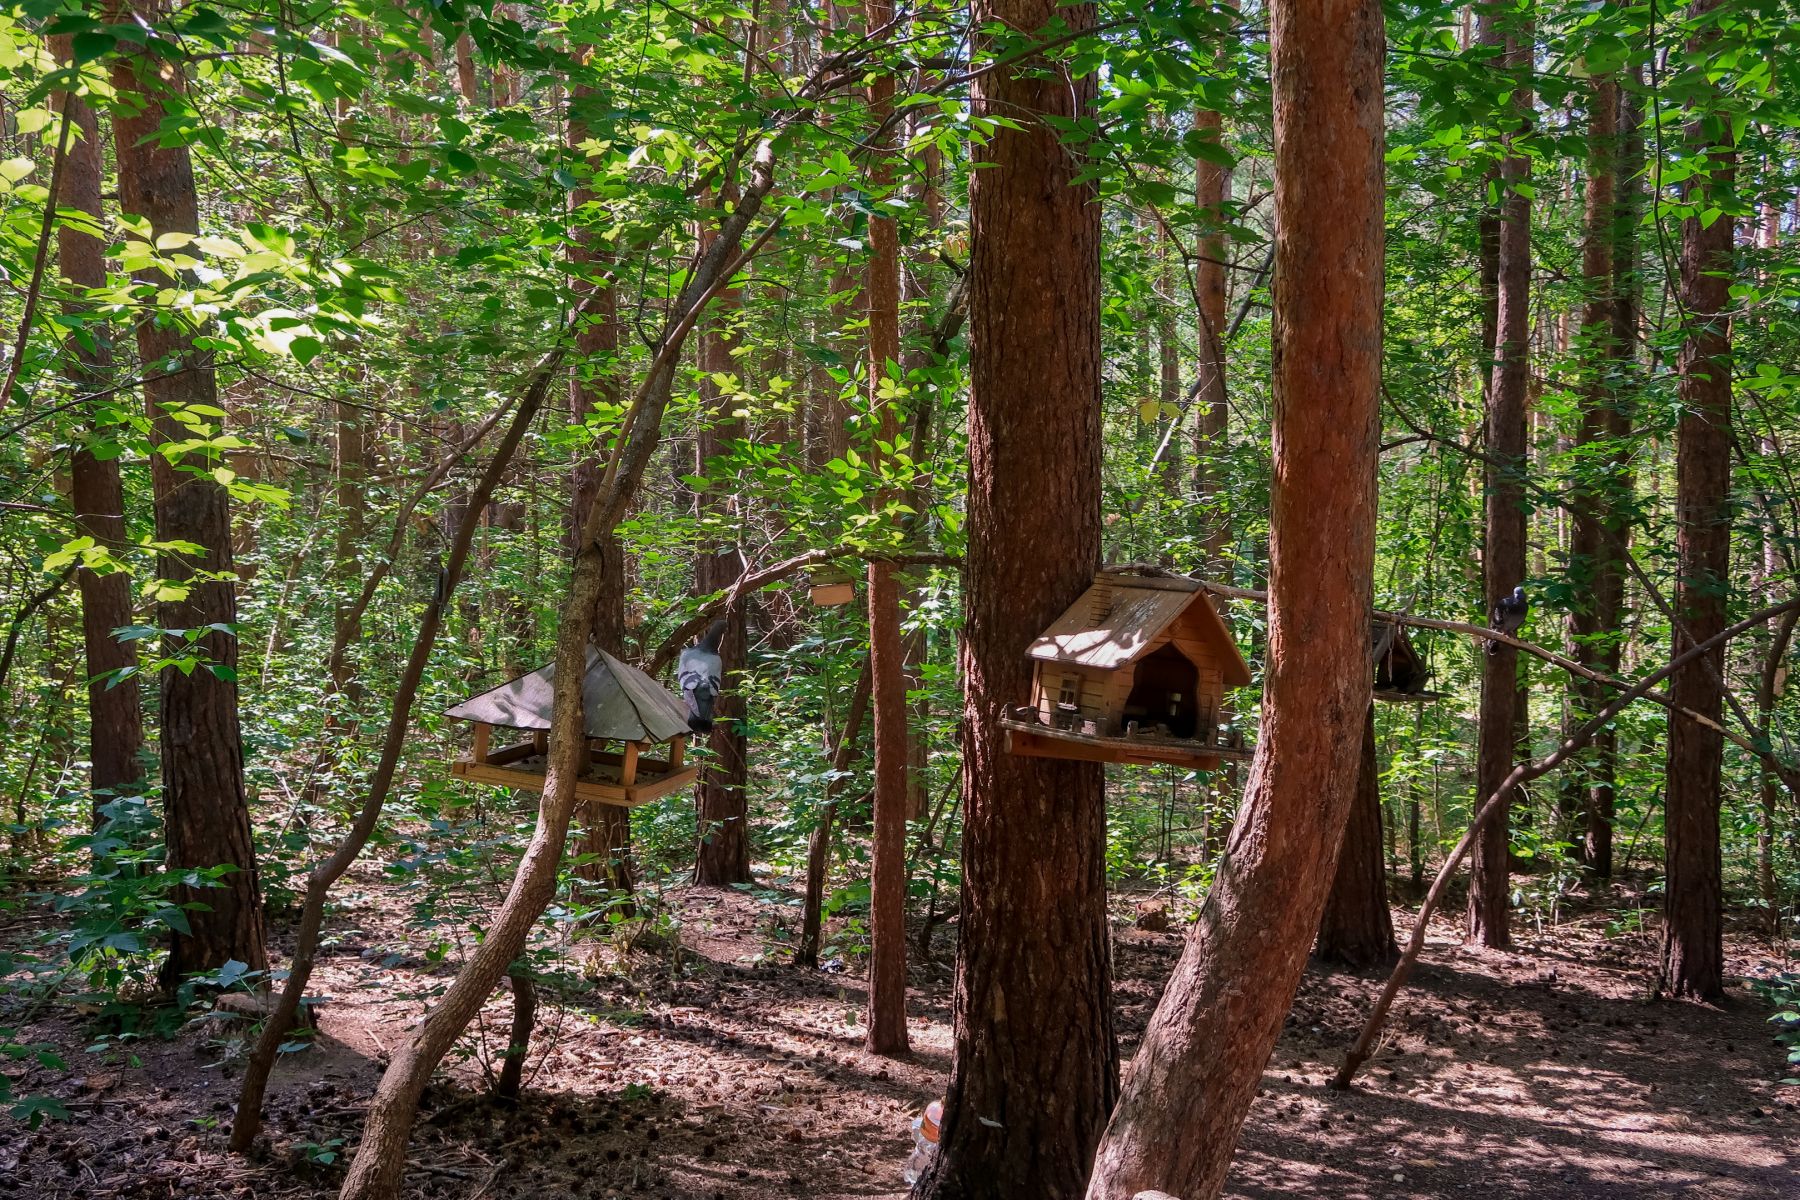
(479, 752)
(540, 741)
(677, 751)
(628, 769)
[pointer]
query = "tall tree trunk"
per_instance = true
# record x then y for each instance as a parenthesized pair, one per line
(720, 799)
(204, 804)
(1357, 928)
(605, 840)
(1035, 1068)
(115, 710)
(887, 667)
(1212, 189)
(1609, 574)
(1693, 960)
(352, 509)
(1191, 1085)
(1503, 561)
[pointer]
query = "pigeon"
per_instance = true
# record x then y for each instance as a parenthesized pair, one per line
(1508, 616)
(698, 671)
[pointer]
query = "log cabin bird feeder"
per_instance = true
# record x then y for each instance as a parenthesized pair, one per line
(623, 705)
(1134, 672)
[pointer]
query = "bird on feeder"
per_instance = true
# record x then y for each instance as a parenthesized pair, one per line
(698, 672)
(1508, 616)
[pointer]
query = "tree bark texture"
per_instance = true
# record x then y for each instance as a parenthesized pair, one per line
(115, 710)
(1358, 928)
(1212, 188)
(605, 842)
(205, 808)
(1693, 961)
(1035, 1065)
(1195, 1075)
(720, 798)
(1503, 559)
(1609, 579)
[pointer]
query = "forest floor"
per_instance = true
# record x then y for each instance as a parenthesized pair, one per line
(707, 1069)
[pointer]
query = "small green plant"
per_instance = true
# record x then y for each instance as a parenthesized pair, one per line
(1783, 991)
(321, 1154)
(33, 1110)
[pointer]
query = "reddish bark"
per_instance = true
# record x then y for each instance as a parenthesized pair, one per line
(1503, 558)
(115, 710)
(1035, 1066)
(1191, 1085)
(1693, 953)
(1212, 188)
(887, 666)
(204, 804)
(1358, 928)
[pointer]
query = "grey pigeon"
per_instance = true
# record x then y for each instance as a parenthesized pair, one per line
(698, 671)
(1508, 616)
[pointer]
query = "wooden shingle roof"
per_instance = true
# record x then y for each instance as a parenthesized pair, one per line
(1119, 618)
(623, 703)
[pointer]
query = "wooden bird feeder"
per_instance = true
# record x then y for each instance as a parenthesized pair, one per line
(1400, 672)
(831, 586)
(1134, 672)
(624, 705)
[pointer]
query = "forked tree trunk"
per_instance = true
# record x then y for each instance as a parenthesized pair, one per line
(1035, 1066)
(115, 710)
(1503, 559)
(887, 666)
(205, 809)
(1358, 928)
(1693, 961)
(1188, 1090)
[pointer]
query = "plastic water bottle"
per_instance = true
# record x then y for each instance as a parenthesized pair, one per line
(925, 1142)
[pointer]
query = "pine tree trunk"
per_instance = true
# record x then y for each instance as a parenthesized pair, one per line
(1194, 1078)
(1212, 188)
(1358, 928)
(1035, 1066)
(1693, 952)
(605, 840)
(1503, 562)
(205, 809)
(1609, 576)
(722, 806)
(887, 666)
(115, 710)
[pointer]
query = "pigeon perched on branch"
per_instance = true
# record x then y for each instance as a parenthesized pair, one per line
(1508, 616)
(698, 671)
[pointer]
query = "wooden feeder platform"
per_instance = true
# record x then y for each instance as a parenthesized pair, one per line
(1026, 735)
(623, 706)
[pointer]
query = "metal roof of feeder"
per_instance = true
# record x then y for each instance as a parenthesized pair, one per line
(623, 703)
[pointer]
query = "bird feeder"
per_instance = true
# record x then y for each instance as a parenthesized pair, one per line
(1134, 672)
(1400, 672)
(624, 707)
(831, 586)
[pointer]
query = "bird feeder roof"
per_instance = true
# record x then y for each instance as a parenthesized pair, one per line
(623, 704)
(1119, 619)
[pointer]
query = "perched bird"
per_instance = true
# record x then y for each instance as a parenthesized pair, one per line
(698, 671)
(1508, 616)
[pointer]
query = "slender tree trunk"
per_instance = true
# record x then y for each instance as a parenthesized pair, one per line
(887, 666)
(115, 710)
(1503, 562)
(1358, 929)
(818, 846)
(605, 843)
(1035, 1065)
(1609, 575)
(1212, 190)
(1693, 959)
(205, 809)
(1195, 1075)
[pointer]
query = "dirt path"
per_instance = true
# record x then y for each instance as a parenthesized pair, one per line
(706, 1072)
